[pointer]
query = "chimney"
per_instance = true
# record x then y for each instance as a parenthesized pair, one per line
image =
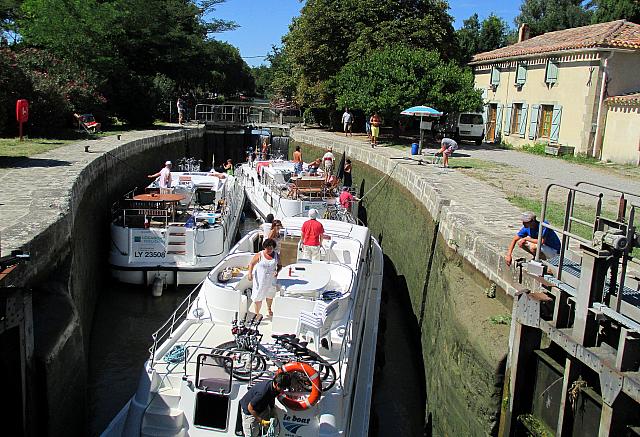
(523, 32)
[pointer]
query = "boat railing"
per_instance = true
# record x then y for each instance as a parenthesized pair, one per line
(167, 329)
(134, 213)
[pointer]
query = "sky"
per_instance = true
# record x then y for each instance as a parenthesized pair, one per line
(264, 22)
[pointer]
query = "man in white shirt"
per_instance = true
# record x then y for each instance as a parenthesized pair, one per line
(347, 122)
(164, 178)
(327, 163)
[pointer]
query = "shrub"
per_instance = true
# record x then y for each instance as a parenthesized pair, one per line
(55, 89)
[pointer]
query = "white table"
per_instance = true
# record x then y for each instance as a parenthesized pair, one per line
(305, 278)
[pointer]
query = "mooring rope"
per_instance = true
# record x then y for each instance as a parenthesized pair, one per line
(381, 179)
(175, 355)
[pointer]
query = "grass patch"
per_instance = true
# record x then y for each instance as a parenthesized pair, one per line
(31, 146)
(472, 163)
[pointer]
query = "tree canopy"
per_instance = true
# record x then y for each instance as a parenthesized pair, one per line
(610, 10)
(330, 33)
(549, 15)
(476, 37)
(138, 52)
(393, 79)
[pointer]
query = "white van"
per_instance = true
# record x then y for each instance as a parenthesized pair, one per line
(463, 126)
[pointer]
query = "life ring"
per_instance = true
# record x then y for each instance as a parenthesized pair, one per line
(304, 402)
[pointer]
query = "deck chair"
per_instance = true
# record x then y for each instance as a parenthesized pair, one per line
(87, 123)
(316, 325)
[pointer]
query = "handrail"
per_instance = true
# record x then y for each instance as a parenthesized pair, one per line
(167, 328)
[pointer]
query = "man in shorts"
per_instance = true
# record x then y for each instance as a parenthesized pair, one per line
(327, 161)
(527, 239)
(312, 235)
(347, 121)
(447, 147)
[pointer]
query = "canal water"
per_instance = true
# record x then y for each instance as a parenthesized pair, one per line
(127, 315)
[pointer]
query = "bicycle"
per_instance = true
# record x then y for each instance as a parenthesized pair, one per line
(250, 356)
(336, 212)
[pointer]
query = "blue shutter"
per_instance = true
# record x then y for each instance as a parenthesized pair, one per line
(533, 126)
(499, 120)
(507, 120)
(495, 76)
(555, 123)
(521, 74)
(522, 123)
(485, 116)
(551, 75)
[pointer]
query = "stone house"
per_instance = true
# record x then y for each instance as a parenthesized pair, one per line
(558, 88)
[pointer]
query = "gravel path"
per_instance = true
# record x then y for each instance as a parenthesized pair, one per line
(545, 170)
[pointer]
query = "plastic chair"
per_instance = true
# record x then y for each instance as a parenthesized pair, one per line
(316, 325)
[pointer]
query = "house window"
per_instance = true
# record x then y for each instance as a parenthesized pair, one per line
(516, 114)
(521, 74)
(546, 117)
(551, 75)
(495, 77)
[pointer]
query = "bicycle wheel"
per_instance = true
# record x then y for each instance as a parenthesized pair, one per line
(327, 374)
(246, 364)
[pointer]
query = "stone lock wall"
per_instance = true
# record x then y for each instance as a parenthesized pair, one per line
(68, 264)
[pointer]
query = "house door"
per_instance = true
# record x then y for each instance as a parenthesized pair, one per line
(491, 123)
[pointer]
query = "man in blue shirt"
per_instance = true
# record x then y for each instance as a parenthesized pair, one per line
(527, 239)
(257, 403)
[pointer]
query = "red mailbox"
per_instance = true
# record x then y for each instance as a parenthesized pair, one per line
(22, 110)
(22, 113)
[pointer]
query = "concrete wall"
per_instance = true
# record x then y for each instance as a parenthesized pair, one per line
(68, 267)
(577, 90)
(622, 134)
(622, 71)
(462, 351)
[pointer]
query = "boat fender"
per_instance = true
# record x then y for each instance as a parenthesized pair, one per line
(157, 286)
(301, 402)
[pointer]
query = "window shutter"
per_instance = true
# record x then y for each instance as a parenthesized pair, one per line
(533, 125)
(522, 123)
(507, 119)
(485, 115)
(552, 72)
(521, 74)
(555, 123)
(499, 120)
(495, 76)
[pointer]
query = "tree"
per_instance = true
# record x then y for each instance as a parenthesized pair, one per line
(610, 10)
(468, 37)
(475, 37)
(330, 33)
(139, 49)
(396, 78)
(493, 34)
(9, 11)
(549, 15)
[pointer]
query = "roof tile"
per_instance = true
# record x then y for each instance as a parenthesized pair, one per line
(631, 99)
(620, 33)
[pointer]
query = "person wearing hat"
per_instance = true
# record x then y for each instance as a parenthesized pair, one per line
(347, 199)
(164, 178)
(312, 235)
(527, 239)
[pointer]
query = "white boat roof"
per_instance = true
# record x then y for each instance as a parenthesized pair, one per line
(200, 179)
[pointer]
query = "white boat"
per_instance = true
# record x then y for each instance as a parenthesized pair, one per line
(272, 188)
(175, 238)
(198, 394)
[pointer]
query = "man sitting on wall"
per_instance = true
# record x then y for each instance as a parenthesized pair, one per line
(527, 239)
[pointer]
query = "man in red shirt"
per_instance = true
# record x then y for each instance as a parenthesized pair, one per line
(347, 199)
(312, 235)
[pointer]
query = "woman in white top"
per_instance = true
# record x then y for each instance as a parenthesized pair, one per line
(262, 270)
(274, 234)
